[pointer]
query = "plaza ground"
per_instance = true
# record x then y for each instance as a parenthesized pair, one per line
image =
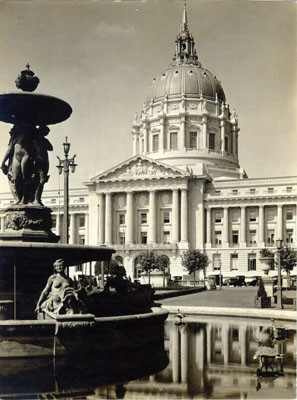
(238, 297)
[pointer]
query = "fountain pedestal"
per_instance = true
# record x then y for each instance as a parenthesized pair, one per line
(29, 223)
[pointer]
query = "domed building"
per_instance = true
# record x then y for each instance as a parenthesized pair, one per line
(184, 188)
(185, 121)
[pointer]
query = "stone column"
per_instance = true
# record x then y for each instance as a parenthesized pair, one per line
(184, 215)
(243, 344)
(279, 222)
(174, 347)
(175, 216)
(226, 227)
(129, 205)
(86, 228)
(108, 218)
(209, 346)
(57, 224)
(184, 354)
(243, 226)
(182, 144)
(135, 140)
(161, 140)
(222, 125)
(208, 227)
(101, 219)
(261, 227)
(204, 132)
(152, 216)
(225, 343)
(146, 138)
(72, 229)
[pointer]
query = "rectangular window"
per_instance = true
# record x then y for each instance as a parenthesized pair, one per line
(227, 144)
(253, 237)
(218, 217)
(218, 237)
(270, 237)
(166, 237)
(212, 141)
(270, 190)
(53, 201)
(252, 262)
(235, 216)
(143, 218)
(143, 237)
(216, 262)
(253, 216)
(54, 219)
(81, 239)
(173, 140)
(81, 199)
(122, 237)
(234, 262)
(121, 219)
(155, 142)
(217, 192)
(289, 189)
(234, 237)
(289, 215)
(270, 215)
(81, 221)
(289, 236)
(166, 217)
(252, 191)
(193, 140)
(234, 191)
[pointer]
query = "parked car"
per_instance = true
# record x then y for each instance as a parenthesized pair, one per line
(234, 282)
(253, 282)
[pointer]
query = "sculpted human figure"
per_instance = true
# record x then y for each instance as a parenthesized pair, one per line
(19, 155)
(41, 162)
(58, 296)
(28, 164)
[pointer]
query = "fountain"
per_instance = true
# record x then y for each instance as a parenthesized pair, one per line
(62, 322)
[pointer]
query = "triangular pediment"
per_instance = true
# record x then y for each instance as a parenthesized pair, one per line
(140, 167)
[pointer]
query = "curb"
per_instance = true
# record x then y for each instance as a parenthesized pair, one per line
(178, 293)
(287, 315)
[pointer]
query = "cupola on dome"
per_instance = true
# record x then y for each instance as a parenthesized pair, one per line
(185, 75)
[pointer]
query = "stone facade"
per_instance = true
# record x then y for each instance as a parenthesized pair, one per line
(183, 188)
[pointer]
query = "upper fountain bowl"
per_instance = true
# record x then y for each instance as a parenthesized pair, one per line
(33, 109)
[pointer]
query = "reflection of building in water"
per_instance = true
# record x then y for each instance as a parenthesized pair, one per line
(214, 357)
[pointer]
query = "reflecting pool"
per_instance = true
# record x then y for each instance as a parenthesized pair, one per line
(201, 357)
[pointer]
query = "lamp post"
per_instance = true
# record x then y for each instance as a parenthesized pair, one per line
(64, 166)
(220, 274)
(279, 245)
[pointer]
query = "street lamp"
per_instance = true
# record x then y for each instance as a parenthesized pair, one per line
(64, 166)
(220, 264)
(279, 245)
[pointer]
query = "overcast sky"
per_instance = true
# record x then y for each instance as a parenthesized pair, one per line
(101, 56)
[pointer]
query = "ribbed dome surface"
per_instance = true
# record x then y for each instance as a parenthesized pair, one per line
(188, 79)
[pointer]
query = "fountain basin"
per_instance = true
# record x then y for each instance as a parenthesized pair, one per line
(79, 334)
(34, 109)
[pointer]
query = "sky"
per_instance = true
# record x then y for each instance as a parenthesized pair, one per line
(100, 57)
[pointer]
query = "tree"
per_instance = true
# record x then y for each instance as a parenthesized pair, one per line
(162, 265)
(194, 260)
(148, 262)
(288, 258)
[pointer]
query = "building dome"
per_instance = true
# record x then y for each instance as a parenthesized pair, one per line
(185, 121)
(188, 79)
(185, 75)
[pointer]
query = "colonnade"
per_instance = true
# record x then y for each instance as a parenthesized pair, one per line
(260, 222)
(179, 217)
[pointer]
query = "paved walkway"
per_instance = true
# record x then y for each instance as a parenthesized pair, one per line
(242, 297)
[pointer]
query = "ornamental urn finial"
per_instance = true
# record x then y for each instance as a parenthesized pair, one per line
(27, 81)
